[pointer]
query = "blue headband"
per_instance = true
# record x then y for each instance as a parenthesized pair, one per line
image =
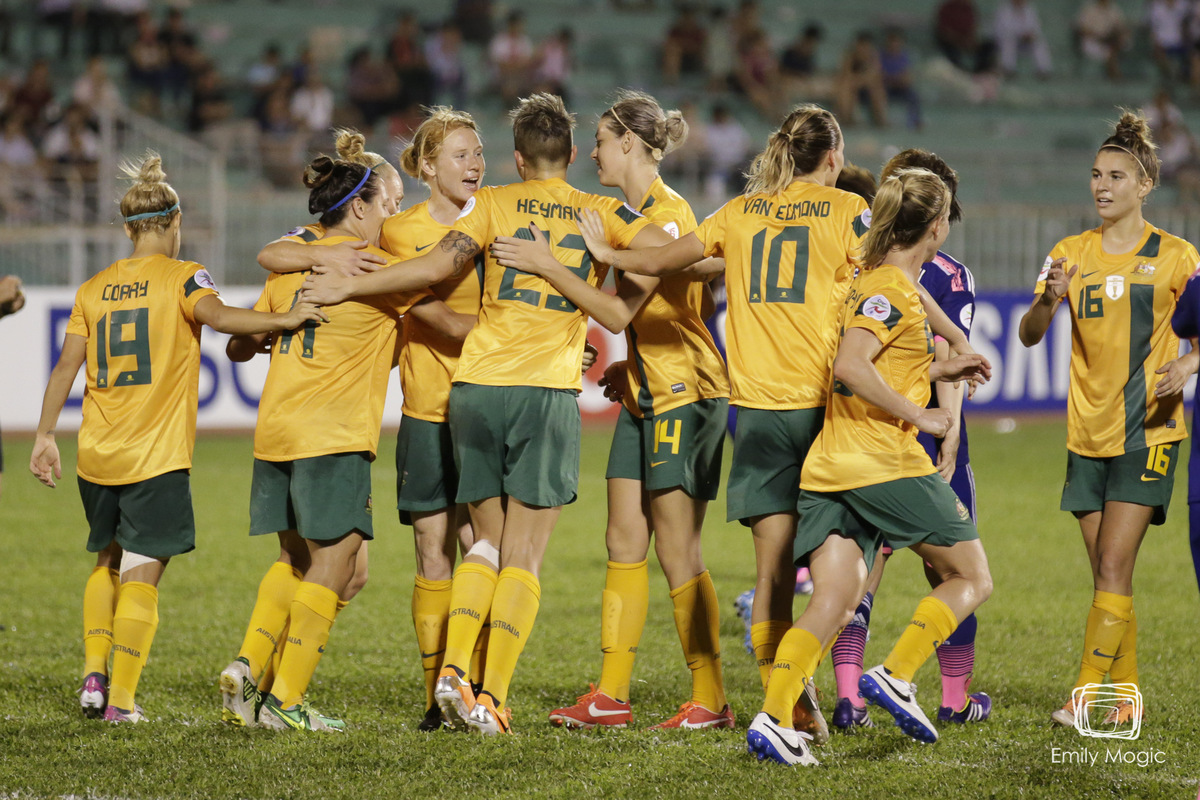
(353, 192)
(166, 212)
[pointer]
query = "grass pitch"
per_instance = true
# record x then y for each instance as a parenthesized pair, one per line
(1030, 635)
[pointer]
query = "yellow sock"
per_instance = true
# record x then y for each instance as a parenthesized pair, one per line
(623, 606)
(267, 679)
(313, 610)
(479, 654)
(430, 609)
(795, 662)
(1124, 666)
(931, 623)
(99, 604)
(134, 624)
(765, 637)
(514, 610)
(470, 600)
(269, 617)
(1106, 624)
(695, 606)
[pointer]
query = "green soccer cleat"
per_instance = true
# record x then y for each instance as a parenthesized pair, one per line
(300, 717)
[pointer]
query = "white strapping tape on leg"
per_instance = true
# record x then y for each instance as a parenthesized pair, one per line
(487, 550)
(132, 560)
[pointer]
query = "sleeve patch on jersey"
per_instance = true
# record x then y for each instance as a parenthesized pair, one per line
(627, 214)
(880, 309)
(967, 315)
(467, 209)
(672, 229)
(862, 223)
(1045, 269)
(201, 280)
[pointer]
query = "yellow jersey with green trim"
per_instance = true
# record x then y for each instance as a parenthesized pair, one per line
(789, 260)
(305, 234)
(672, 359)
(428, 359)
(328, 381)
(143, 368)
(1121, 306)
(527, 335)
(861, 444)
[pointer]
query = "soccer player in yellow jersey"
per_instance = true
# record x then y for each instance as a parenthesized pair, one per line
(137, 326)
(1125, 408)
(513, 417)
(666, 449)
(867, 479)
(312, 482)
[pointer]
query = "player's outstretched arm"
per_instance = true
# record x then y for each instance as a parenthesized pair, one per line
(347, 258)
(652, 252)
(1037, 319)
(212, 311)
(453, 254)
(45, 463)
(439, 317)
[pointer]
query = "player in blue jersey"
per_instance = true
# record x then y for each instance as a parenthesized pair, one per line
(1186, 323)
(952, 286)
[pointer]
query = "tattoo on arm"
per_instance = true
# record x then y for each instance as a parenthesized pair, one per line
(462, 246)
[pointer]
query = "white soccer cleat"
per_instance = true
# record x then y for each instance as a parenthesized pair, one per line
(768, 739)
(239, 695)
(898, 698)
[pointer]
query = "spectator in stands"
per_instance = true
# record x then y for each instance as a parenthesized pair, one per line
(554, 63)
(956, 31)
(72, 147)
(511, 56)
(371, 86)
(799, 59)
(264, 74)
(720, 55)
(282, 140)
(210, 102)
(146, 65)
(896, 64)
(1168, 23)
(406, 55)
(688, 160)
(34, 97)
(756, 74)
(443, 52)
(312, 107)
(184, 59)
(94, 90)
(728, 148)
(860, 80)
(745, 23)
(1019, 30)
(474, 20)
(1103, 33)
(22, 180)
(110, 23)
(67, 17)
(684, 48)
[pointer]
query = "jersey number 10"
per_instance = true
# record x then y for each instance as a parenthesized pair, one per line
(773, 292)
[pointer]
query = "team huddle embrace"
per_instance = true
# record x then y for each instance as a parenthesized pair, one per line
(848, 359)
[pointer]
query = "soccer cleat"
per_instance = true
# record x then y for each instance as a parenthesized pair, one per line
(1121, 713)
(114, 714)
(694, 716)
(432, 721)
(300, 717)
(93, 695)
(744, 605)
(807, 716)
(1065, 716)
(804, 584)
(594, 708)
(978, 708)
(847, 716)
(486, 719)
(899, 698)
(239, 695)
(455, 698)
(768, 739)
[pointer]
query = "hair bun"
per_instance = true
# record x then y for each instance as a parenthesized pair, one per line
(1132, 127)
(350, 144)
(318, 172)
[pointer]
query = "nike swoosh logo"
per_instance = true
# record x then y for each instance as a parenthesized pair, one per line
(425, 246)
(1084, 276)
(1148, 480)
(657, 463)
(798, 752)
(431, 655)
(1097, 652)
(600, 712)
(905, 696)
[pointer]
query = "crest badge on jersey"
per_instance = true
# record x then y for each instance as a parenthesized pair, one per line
(1045, 269)
(1114, 287)
(877, 308)
(672, 229)
(967, 315)
(467, 208)
(1144, 269)
(204, 280)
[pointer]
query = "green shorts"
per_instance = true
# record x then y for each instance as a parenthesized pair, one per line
(902, 513)
(151, 517)
(768, 450)
(519, 441)
(426, 478)
(322, 498)
(1145, 477)
(681, 447)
